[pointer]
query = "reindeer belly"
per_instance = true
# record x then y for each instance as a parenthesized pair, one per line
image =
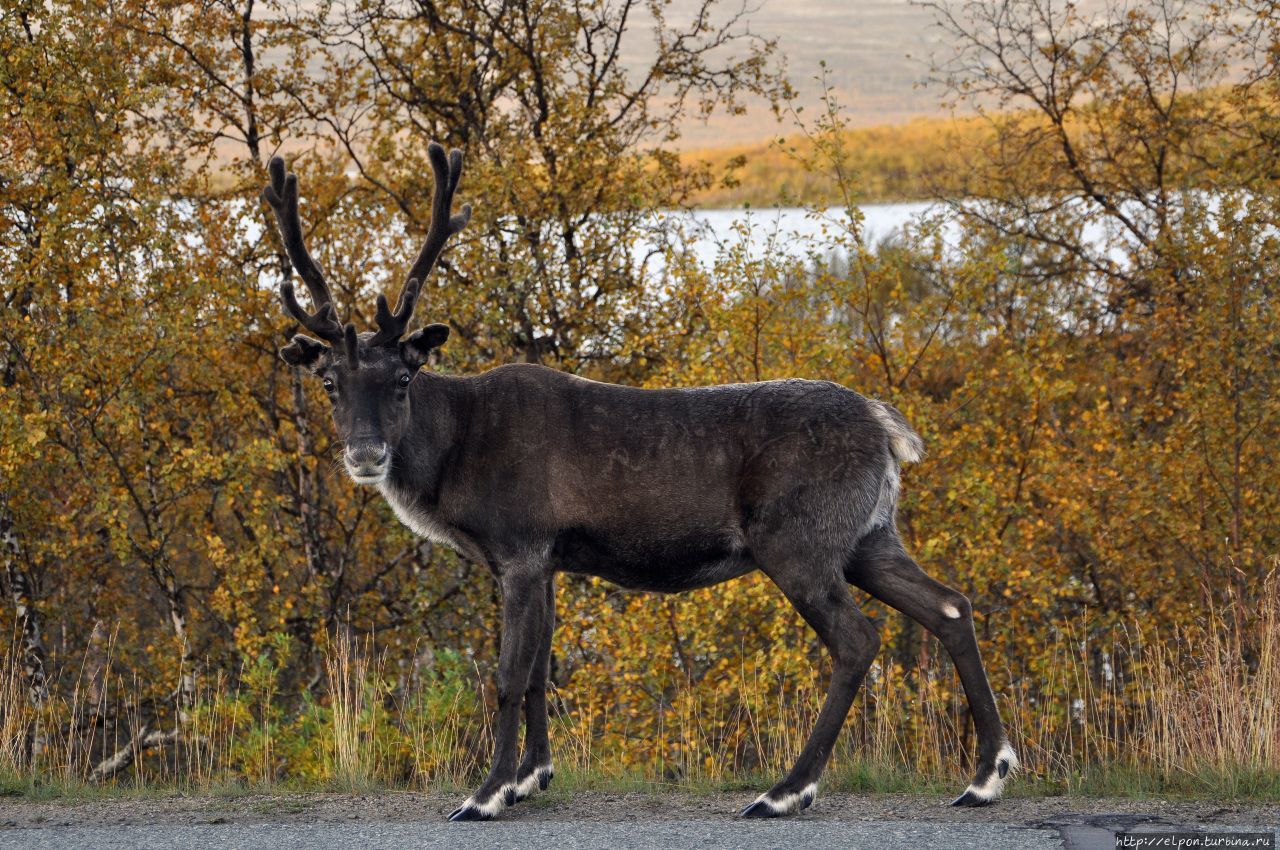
(667, 565)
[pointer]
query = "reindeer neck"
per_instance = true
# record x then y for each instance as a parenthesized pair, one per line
(439, 409)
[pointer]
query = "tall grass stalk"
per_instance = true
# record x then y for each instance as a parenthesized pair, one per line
(351, 716)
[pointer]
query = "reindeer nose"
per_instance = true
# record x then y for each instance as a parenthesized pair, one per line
(367, 454)
(367, 459)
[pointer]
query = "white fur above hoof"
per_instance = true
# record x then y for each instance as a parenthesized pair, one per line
(989, 789)
(767, 806)
(536, 781)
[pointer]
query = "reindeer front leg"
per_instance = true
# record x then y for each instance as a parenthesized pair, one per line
(535, 770)
(524, 616)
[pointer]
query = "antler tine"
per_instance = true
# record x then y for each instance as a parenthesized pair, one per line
(282, 194)
(447, 171)
(350, 341)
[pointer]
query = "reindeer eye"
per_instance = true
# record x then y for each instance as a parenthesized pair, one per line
(328, 385)
(404, 381)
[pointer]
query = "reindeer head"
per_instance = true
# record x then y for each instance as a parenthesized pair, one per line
(366, 375)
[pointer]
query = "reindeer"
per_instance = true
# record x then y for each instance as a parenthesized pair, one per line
(532, 471)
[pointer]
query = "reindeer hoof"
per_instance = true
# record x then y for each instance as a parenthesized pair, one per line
(759, 809)
(970, 800)
(784, 803)
(486, 806)
(985, 791)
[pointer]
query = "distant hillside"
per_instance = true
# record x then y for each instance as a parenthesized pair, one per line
(876, 53)
(897, 162)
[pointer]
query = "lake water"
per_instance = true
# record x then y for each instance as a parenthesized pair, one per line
(773, 228)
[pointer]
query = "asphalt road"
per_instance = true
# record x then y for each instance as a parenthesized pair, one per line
(567, 821)
(747, 835)
(561, 836)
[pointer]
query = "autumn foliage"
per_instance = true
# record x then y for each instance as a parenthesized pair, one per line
(1086, 335)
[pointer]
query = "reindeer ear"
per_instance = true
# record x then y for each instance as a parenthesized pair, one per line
(304, 351)
(415, 348)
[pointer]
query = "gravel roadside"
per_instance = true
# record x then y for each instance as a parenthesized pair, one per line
(597, 806)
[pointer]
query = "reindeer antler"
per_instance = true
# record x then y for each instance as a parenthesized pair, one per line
(447, 170)
(282, 194)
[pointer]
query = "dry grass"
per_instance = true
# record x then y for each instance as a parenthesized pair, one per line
(351, 716)
(1193, 713)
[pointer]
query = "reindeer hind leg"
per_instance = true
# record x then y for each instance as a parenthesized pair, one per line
(882, 567)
